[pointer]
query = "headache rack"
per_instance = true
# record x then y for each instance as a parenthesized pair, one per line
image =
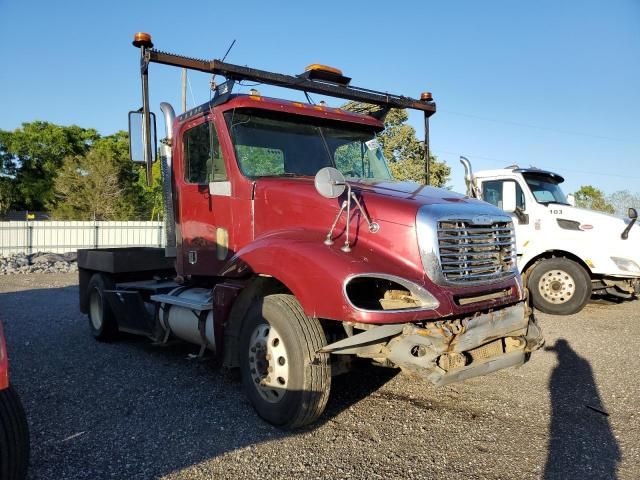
(294, 82)
(302, 82)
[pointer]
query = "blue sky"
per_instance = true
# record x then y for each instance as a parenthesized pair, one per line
(553, 84)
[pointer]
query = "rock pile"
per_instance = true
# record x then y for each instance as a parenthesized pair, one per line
(38, 263)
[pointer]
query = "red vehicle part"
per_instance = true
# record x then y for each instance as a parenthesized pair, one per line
(14, 431)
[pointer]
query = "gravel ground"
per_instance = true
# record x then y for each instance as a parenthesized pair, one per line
(131, 410)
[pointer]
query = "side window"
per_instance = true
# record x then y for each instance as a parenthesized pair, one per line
(492, 193)
(203, 161)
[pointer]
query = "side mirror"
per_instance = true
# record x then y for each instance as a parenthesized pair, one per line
(137, 137)
(509, 196)
(330, 183)
(632, 213)
(571, 199)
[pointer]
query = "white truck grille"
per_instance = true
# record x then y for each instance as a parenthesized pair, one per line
(476, 253)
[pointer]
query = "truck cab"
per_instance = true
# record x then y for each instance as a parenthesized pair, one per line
(565, 253)
(291, 250)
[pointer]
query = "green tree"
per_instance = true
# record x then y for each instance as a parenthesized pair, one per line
(402, 149)
(151, 203)
(7, 194)
(592, 198)
(622, 200)
(107, 170)
(32, 155)
(88, 188)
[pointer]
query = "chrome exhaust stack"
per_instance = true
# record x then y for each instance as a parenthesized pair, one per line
(472, 189)
(167, 180)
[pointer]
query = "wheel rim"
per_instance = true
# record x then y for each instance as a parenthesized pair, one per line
(268, 363)
(95, 309)
(557, 286)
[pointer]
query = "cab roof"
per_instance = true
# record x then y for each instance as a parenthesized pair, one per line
(516, 169)
(287, 106)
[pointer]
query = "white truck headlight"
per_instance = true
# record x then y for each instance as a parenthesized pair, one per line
(626, 264)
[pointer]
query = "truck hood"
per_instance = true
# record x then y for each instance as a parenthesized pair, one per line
(423, 194)
(599, 221)
(400, 201)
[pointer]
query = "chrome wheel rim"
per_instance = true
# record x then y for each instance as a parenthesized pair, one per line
(557, 286)
(95, 309)
(268, 363)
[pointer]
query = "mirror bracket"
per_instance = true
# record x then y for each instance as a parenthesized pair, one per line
(330, 183)
(633, 216)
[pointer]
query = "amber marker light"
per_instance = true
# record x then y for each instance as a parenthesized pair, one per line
(142, 39)
(323, 68)
(426, 97)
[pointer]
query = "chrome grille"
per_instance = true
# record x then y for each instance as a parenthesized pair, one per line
(475, 253)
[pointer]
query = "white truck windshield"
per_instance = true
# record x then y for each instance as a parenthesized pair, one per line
(275, 144)
(545, 189)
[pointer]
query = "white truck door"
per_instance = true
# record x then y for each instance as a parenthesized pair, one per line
(492, 191)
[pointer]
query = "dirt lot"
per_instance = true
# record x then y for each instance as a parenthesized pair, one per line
(131, 410)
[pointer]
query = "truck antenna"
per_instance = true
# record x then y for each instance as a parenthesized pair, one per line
(213, 77)
(229, 49)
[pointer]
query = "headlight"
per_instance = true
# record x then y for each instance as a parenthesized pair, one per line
(626, 265)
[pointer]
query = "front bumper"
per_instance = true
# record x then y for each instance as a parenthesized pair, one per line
(625, 288)
(448, 351)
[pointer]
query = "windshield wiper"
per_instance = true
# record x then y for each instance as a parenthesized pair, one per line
(326, 145)
(284, 174)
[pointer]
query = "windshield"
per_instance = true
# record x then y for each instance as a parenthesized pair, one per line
(545, 189)
(276, 144)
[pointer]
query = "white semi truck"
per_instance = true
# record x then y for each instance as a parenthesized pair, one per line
(565, 253)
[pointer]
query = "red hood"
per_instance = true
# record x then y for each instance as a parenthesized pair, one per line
(412, 191)
(403, 199)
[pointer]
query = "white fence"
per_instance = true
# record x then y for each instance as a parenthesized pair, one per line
(59, 237)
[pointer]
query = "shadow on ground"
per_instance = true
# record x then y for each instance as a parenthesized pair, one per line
(581, 442)
(129, 409)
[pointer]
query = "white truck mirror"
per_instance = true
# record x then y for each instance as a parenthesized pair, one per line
(509, 196)
(571, 199)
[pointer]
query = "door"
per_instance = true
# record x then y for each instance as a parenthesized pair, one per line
(492, 192)
(203, 201)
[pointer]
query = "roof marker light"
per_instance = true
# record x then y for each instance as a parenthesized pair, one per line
(323, 68)
(317, 71)
(142, 39)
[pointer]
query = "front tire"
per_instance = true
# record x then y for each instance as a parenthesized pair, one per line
(559, 286)
(14, 437)
(102, 321)
(285, 379)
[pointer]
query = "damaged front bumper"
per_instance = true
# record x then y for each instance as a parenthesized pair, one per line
(449, 351)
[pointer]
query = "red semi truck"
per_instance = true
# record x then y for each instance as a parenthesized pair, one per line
(291, 249)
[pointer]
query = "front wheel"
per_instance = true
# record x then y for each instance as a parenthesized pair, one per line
(559, 286)
(285, 378)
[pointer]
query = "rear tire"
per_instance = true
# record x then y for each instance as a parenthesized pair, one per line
(102, 321)
(14, 437)
(559, 286)
(285, 379)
